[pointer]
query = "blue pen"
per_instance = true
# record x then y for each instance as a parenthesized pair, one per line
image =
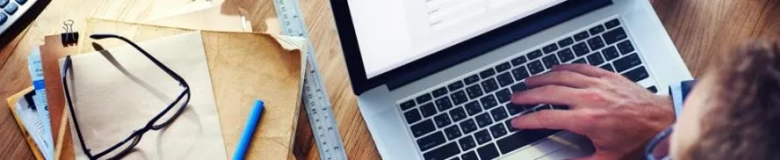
(249, 130)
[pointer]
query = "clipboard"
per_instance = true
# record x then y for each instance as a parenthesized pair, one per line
(277, 80)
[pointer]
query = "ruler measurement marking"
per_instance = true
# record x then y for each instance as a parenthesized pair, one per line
(327, 137)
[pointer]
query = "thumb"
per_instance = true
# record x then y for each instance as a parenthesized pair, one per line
(550, 119)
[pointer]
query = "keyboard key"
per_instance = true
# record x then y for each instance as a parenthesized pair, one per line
(443, 152)
(595, 59)
(504, 95)
(488, 101)
(652, 89)
(423, 127)
(566, 55)
(467, 143)
(566, 42)
(488, 151)
(471, 79)
(519, 61)
(458, 114)
(487, 73)
(560, 107)
(459, 97)
(509, 127)
(452, 132)
(482, 136)
(3, 17)
(442, 120)
(522, 138)
(443, 103)
(498, 130)
(596, 30)
(615, 35)
(537, 109)
(468, 126)
(21, 1)
(612, 24)
(455, 158)
(637, 74)
(519, 87)
(550, 48)
(474, 91)
(520, 73)
(499, 114)
(581, 49)
(3, 3)
(503, 67)
(408, 104)
(596, 43)
(469, 156)
(535, 67)
(424, 98)
(412, 116)
(625, 47)
(483, 120)
(439, 92)
(579, 61)
(530, 107)
(428, 110)
(489, 85)
(11, 8)
(455, 85)
(431, 141)
(608, 67)
(550, 106)
(627, 62)
(551, 61)
(610, 53)
(534, 55)
(581, 36)
(473, 108)
(513, 109)
(505, 79)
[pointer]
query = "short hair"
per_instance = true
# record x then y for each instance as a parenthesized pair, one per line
(744, 122)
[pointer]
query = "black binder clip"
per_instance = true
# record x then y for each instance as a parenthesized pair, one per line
(69, 38)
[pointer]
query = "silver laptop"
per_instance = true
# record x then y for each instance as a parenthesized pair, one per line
(434, 77)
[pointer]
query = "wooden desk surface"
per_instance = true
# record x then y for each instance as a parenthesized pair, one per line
(698, 28)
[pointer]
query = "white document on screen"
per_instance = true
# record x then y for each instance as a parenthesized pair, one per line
(393, 33)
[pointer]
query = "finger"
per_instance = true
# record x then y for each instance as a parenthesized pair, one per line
(563, 78)
(584, 69)
(550, 119)
(549, 94)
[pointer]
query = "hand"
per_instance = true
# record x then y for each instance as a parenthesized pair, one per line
(617, 115)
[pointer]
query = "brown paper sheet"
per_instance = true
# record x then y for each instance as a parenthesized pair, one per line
(51, 52)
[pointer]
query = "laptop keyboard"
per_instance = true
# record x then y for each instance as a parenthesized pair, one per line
(470, 118)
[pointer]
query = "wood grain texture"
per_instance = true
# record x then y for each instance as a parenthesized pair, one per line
(699, 29)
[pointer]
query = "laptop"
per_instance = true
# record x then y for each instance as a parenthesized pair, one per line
(434, 77)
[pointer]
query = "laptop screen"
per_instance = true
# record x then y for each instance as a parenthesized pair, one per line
(392, 33)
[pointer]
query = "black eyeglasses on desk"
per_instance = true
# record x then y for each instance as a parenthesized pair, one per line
(124, 147)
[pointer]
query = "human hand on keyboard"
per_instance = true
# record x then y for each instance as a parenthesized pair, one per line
(619, 116)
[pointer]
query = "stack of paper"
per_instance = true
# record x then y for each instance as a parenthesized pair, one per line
(31, 111)
(276, 80)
